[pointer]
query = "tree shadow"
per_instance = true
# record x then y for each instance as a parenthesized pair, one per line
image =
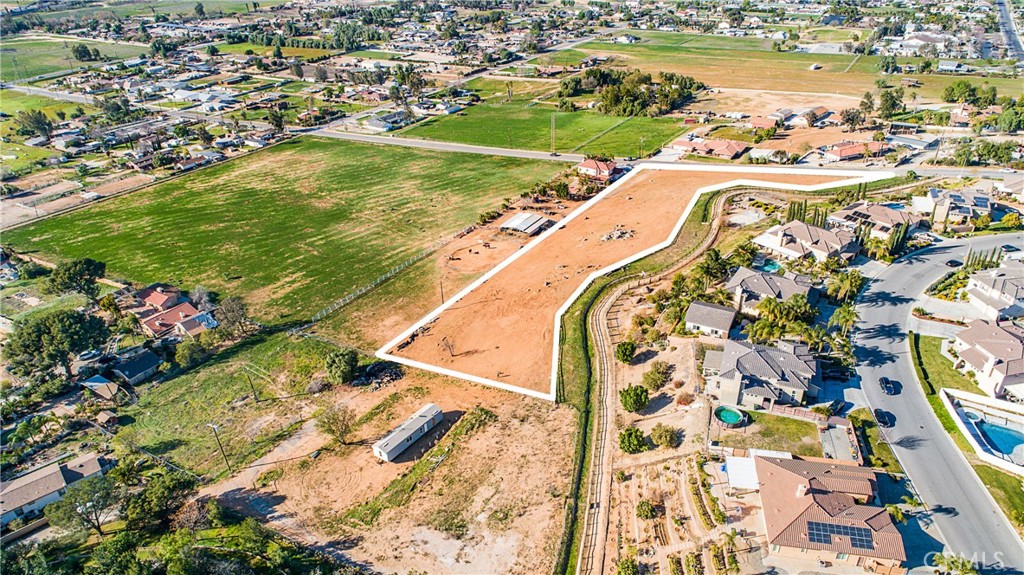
(892, 332)
(873, 356)
(165, 446)
(910, 442)
(880, 298)
(657, 403)
(643, 357)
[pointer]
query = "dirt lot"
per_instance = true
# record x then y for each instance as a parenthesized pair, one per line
(495, 505)
(799, 140)
(763, 102)
(504, 329)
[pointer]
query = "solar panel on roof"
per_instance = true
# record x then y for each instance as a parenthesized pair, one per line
(860, 537)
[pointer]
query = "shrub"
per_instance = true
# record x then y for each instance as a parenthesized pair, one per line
(627, 566)
(657, 376)
(665, 436)
(645, 510)
(631, 440)
(625, 351)
(634, 398)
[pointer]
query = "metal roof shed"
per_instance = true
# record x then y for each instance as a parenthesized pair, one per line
(527, 223)
(421, 422)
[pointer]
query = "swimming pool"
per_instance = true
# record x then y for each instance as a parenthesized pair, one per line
(1001, 439)
(768, 266)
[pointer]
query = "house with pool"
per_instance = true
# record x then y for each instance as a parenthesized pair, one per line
(993, 352)
(993, 427)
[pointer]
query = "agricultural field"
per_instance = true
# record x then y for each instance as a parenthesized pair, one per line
(171, 418)
(520, 124)
(120, 9)
(374, 55)
(291, 228)
(287, 51)
(27, 57)
(749, 63)
(12, 102)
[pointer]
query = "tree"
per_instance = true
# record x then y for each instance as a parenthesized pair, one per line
(81, 52)
(625, 351)
(896, 512)
(34, 122)
(665, 436)
(200, 297)
(108, 303)
(151, 508)
(204, 135)
(116, 556)
(867, 104)
(646, 510)
(627, 566)
(276, 119)
(337, 422)
(190, 353)
(296, 68)
(631, 440)
(634, 398)
(341, 365)
(320, 73)
(845, 317)
(852, 117)
(51, 340)
(845, 285)
(85, 504)
(199, 10)
(953, 564)
(233, 315)
(212, 50)
(1011, 221)
(912, 502)
(654, 378)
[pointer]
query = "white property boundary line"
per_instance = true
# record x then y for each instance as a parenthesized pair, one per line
(855, 177)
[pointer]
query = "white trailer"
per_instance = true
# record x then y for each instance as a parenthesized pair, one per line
(400, 438)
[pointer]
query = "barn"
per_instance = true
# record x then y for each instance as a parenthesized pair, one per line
(399, 439)
(526, 223)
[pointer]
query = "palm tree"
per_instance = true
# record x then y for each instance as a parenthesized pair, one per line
(896, 512)
(845, 285)
(876, 248)
(770, 309)
(845, 317)
(815, 337)
(720, 296)
(913, 502)
(954, 564)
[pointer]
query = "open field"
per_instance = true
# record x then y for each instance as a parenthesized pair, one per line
(12, 102)
(260, 50)
(743, 63)
(767, 431)
(374, 55)
(121, 9)
(470, 336)
(290, 228)
(171, 418)
(517, 125)
(25, 57)
(1006, 489)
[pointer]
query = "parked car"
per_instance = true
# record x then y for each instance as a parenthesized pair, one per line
(884, 418)
(1008, 248)
(1008, 171)
(888, 387)
(954, 263)
(87, 355)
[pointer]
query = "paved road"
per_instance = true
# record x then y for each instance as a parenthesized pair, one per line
(1009, 29)
(962, 509)
(447, 146)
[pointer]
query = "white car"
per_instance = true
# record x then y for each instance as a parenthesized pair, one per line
(87, 355)
(1008, 171)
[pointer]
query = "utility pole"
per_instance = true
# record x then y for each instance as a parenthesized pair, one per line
(216, 436)
(440, 282)
(641, 154)
(552, 132)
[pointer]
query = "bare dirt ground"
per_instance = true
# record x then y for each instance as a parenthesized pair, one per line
(494, 506)
(114, 186)
(763, 102)
(504, 329)
(802, 139)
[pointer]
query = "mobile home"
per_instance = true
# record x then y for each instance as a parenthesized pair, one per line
(394, 443)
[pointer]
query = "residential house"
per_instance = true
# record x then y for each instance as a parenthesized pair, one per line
(952, 206)
(709, 319)
(26, 496)
(828, 512)
(725, 149)
(807, 118)
(752, 286)
(183, 320)
(882, 219)
(760, 376)
(797, 240)
(160, 296)
(102, 387)
(106, 418)
(845, 151)
(1012, 184)
(597, 169)
(998, 292)
(994, 353)
(759, 123)
(138, 368)
(191, 163)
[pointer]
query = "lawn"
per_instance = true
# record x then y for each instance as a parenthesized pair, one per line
(374, 54)
(750, 64)
(29, 57)
(257, 49)
(18, 310)
(731, 133)
(518, 125)
(877, 452)
(171, 418)
(291, 228)
(940, 370)
(126, 8)
(1007, 491)
(767, 431)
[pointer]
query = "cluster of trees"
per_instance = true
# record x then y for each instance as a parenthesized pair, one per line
(82, 53)
(971, 153)
(792, 317)
(965, 92)
(632, 93)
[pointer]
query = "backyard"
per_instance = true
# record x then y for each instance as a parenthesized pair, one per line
(290, 228)
(766, 431)
(29, 57)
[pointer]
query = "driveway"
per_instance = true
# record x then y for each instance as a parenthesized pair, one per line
(965, 515)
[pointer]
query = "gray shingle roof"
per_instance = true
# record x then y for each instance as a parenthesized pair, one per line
(789, 366)
(710, 315)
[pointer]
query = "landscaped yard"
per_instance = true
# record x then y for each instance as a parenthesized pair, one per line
(291, 228)
(766, 431)
(1007, 491)
(939, 370)
(171, 419)
(125, 8)
(878, 453)
(29, 57)
(374, 54)
(286, 51)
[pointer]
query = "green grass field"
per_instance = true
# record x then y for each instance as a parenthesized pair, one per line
(291, 228)
(259, 50)
(516, 125)
(1006, 489)
(749, 63)
(29, 57)
(126, 8)
(12, 102)
(171, 419)
(768, 431)
(374, 54)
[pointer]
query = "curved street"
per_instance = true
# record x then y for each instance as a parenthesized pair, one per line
(967, 518)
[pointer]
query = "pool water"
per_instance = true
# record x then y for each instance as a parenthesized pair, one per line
(769, 266)
(1002, 439)
(730, 416)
